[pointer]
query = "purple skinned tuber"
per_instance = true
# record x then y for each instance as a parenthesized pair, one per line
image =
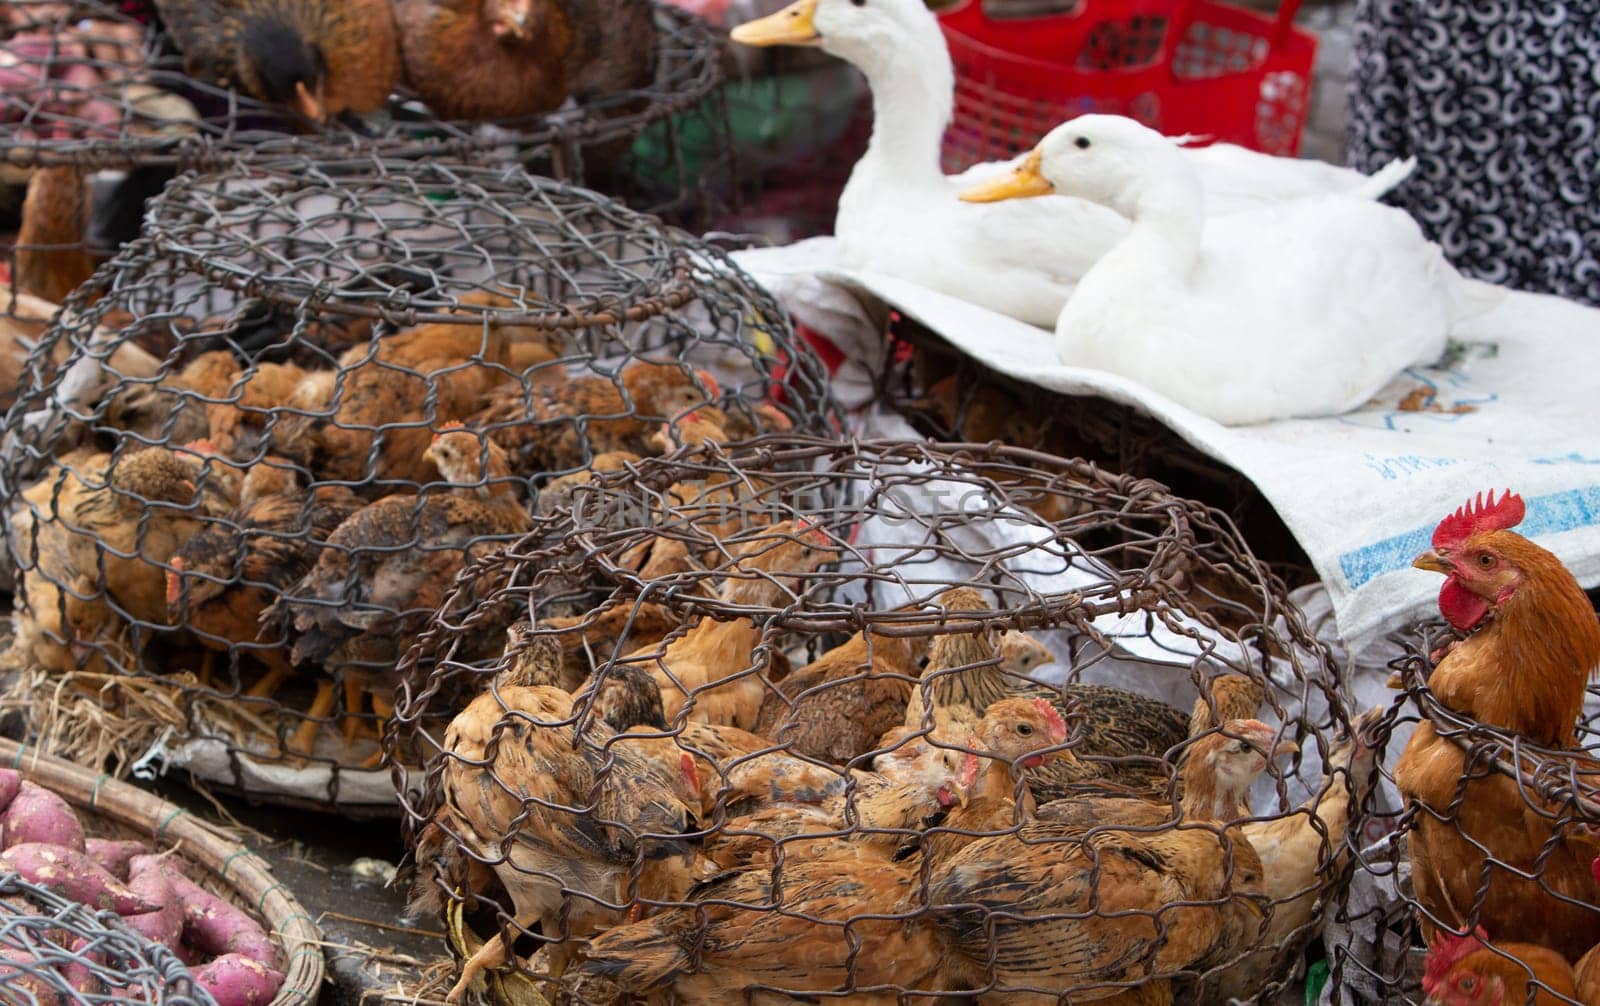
(72, 875)
(113, 855)
(10, 785)
(165, 924)
(19, 978)
(237, 980)
(37, 815)
(218, 928)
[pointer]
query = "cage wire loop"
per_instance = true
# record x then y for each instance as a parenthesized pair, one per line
(761, 705)
(234, 504)
(53, 949)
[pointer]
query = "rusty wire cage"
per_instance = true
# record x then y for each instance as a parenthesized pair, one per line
(96, 114)
(778, 654)
(1530, 894)
(53, 950)
(232, 483)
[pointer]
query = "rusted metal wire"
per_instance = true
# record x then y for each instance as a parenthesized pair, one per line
(56, 950)
(1552, 791)
(701, 605)
(231, 486)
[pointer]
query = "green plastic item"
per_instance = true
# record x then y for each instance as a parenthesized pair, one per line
(1316, 978)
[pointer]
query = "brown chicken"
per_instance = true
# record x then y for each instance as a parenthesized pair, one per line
(388, 382)
(562, 428)
(717, 669)
(509, 59)
(836, 707)
(1302, 854)
(52, 244)
(224, 578)
(320, 58)
(240, 402)
(596, 636)
(1123, 735)
(875, 933)
(1473, 971)
(1060, 909)
(1535, 641)
(551, 807)
(389, 565)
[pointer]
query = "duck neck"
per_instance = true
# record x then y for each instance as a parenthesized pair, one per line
(1168, 215)
(912, 84)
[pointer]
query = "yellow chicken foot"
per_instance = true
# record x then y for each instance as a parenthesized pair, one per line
(491, 955)
(305, 737)
(354, 696)
(267, 686)
(383, 708)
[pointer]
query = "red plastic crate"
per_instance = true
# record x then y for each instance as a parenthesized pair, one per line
(1180, 66)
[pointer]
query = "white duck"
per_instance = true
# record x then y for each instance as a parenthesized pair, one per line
(1303, 308)
(897, 215)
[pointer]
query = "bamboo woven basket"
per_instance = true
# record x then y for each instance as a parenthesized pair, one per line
(232, 871)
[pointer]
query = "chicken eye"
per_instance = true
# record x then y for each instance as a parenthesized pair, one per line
(1082, 143)
(858, 3)
(1024, 729)
(1486, 560)
(1468, 983)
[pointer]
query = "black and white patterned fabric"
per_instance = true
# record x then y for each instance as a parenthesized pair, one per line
(1499, 100)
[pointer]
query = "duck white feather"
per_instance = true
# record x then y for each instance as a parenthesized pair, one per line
(1300, 308)
(898, 214)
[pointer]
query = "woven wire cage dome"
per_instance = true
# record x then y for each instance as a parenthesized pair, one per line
(1385, 920)
(433, 355)
(796, 616)
(53, 950)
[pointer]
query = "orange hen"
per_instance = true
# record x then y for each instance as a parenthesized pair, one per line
(1534, 644)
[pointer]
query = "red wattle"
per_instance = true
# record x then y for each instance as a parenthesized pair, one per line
(1461, 607)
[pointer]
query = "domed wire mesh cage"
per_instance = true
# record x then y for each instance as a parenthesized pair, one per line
(253, 452)
(1525, 899)
(86, 87)
(747, 725)
(53, 950)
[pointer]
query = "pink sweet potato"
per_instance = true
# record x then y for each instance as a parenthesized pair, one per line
(144, 864)
(20, 978)
(10, 784)
(237, 980)
(72, 874)
(216, 927)
(114, 856)
(165, 924)
(38, 815)
(78, 974)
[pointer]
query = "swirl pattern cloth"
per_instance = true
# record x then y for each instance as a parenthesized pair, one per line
(1499, 101)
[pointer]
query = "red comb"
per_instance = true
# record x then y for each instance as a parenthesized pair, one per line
(969, 769)
(201, 446)
(710, 382)
(449, 428)
(1477, 515)
(690, 776)
(1058, 726)
(1445, 951)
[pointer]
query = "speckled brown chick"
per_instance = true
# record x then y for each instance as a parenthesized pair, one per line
(836, 707)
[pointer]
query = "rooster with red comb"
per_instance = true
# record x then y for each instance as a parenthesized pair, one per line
(1479, 838)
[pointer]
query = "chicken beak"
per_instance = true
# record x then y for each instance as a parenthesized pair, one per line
(1022, 182)
(1433, 563)
(308, 104)
(1285, 747)
(791, 26)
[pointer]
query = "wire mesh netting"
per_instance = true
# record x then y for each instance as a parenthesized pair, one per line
(86, 86)
(53, 951)
(260, 443)
(806, 718)
(1488, 884)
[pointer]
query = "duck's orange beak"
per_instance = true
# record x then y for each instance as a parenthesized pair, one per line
(794, 25)
(1022, 182)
